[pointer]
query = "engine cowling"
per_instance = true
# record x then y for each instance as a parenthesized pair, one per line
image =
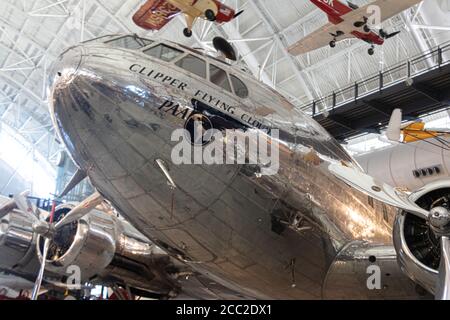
(417, 246)
(107, 248)
(17, 244)
(88, 243)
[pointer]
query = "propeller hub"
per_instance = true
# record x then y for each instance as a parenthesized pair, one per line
(44, 229)
(439, 219)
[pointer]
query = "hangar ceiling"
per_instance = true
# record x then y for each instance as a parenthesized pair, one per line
(34, 32)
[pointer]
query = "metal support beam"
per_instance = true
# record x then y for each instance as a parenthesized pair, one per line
(259, 8)
(381, 107)
(340, 120)
(427, 91)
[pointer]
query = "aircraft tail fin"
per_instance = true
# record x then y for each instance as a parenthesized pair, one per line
(393, 131)
(412, 131)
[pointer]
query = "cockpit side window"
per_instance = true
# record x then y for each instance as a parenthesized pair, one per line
(145, 42)
(130, 42)
(193, 64)
(164, 52)
(240, 88)
(219, 77)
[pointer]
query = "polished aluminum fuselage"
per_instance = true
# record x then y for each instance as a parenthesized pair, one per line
(301, 233)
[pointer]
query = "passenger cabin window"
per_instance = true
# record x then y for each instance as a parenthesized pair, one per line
(164, 52)
(239, 87)
(193, 64)
(130, 42)
(219, 77)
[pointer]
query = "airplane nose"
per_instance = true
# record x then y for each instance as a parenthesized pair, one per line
(66, 65)
(59, 76)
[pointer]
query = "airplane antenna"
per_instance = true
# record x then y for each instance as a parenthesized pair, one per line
(224, 47)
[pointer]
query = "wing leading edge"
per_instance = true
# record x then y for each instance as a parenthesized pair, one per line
(376, 189)
(317, 39)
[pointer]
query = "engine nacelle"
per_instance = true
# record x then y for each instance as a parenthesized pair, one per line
(106, 247)
(17, 244)
(417, 247)
(410, 165)
(89, 244)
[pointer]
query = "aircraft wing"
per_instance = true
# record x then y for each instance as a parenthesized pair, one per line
(317, 39)
(322, 36)
(388, 8)
(155, 14)
(376, 189)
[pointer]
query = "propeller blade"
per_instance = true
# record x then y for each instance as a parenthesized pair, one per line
(38, 283)
(81, 209)
(7, 207)
(238, 14)
(79, 176)
(390, 35)
(443, 282)
(24, 204)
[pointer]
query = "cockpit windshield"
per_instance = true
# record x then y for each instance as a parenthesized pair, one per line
(193, 64)
(130, 42)
(100, 39)
(240, 88)
(185, 60)
(219, 77)
(163, 52)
